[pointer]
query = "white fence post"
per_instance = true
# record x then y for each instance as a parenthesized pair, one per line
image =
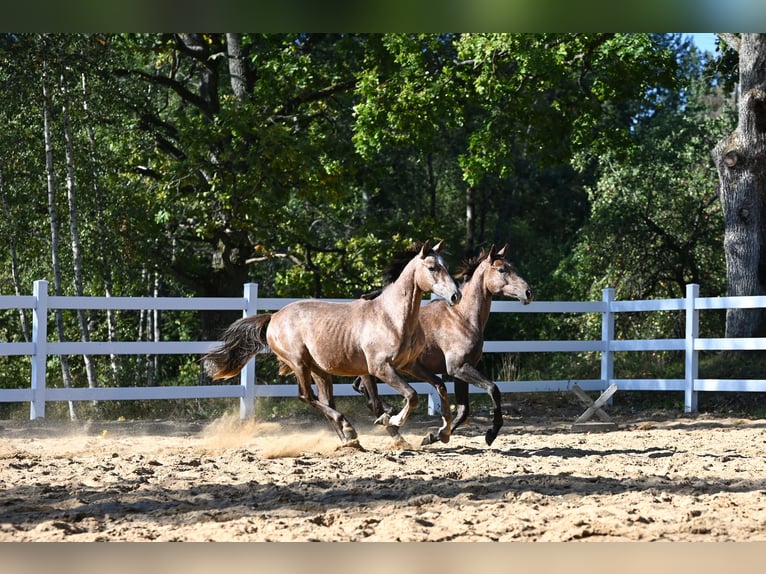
(691, 356)
(40, 341)
(247, 377)
(607, 336)
(434, 402)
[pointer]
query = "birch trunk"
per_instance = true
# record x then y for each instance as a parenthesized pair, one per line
(105, 261)
(51, 179)
(74, 229)
(14, 255)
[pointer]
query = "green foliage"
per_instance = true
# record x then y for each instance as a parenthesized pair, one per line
(588, 153)
(655, 223)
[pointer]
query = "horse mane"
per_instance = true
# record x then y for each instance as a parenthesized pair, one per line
(395, 267)
(401, 258)
(469, 266)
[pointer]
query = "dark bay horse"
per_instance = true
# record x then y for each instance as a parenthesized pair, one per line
(455, 334)
(317, 339)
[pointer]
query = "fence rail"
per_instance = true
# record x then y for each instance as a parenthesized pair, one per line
(41, 348)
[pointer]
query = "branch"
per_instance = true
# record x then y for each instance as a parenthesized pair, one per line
(293, 258)
(177, 87)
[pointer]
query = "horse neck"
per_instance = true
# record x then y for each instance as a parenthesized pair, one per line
(477, 300)
(402, 299)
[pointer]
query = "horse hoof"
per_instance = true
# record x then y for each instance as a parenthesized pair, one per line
(444, 437)
(400, 443)
(383, 419)
(353, 443)
(490, 437)
(393, 432)
(430, 438)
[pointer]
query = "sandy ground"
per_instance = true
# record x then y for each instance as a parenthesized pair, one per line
(668, 477)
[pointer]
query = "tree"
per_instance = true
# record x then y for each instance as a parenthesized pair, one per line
(740, 158)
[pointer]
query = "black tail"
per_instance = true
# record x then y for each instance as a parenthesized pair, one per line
(243, 339)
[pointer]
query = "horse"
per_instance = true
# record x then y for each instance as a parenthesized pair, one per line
(316, 339)
(455, 334)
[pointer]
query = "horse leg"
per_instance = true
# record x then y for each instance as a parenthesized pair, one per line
(367, 386)
(418, 371)
(394, 423)
(463, 403)
(469, 374)
(326, 404)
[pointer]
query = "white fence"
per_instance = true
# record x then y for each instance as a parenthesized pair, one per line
(40, 348)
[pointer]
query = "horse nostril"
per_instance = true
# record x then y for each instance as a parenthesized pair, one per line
(455, 297)
(530, 295)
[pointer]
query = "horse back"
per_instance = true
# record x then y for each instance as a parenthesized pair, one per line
(335, 336)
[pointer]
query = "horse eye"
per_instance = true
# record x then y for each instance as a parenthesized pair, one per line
(432, 268)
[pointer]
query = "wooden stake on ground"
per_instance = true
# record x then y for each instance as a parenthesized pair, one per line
(582, 424)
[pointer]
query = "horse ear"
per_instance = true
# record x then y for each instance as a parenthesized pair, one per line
(501, 253)
(438, 247)
(425, 249)
(491, 255)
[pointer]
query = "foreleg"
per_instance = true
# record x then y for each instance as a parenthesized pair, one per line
(468, 374)
(393, 424)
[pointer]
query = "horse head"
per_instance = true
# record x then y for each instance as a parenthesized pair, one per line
(432, 274)
(501, 278)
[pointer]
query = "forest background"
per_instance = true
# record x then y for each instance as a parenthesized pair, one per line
(190, 164)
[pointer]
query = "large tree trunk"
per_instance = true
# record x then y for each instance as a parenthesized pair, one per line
(238, 73)
(741, 161)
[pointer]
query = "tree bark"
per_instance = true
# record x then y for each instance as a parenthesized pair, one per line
(237, 67)
(470, 220)
(103, 236)
(51, 179)
(74, 230)
(741, 161)
(12, 236)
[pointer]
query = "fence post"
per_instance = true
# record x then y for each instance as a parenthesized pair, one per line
(607, 336)
(247, 377)
(40, 341)
(434, 402)
(691, 356)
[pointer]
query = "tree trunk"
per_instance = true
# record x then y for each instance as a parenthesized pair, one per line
(470, 220)
(74, 230)
(51, 179)
(741, 161)
(237, 67)
(103, 236)
(14, 256)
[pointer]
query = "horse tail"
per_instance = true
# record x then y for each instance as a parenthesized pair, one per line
(244, 338)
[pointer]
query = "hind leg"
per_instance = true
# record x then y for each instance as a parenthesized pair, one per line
(462, 402)
(445, 431)
(367, 386)
(325, 403)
